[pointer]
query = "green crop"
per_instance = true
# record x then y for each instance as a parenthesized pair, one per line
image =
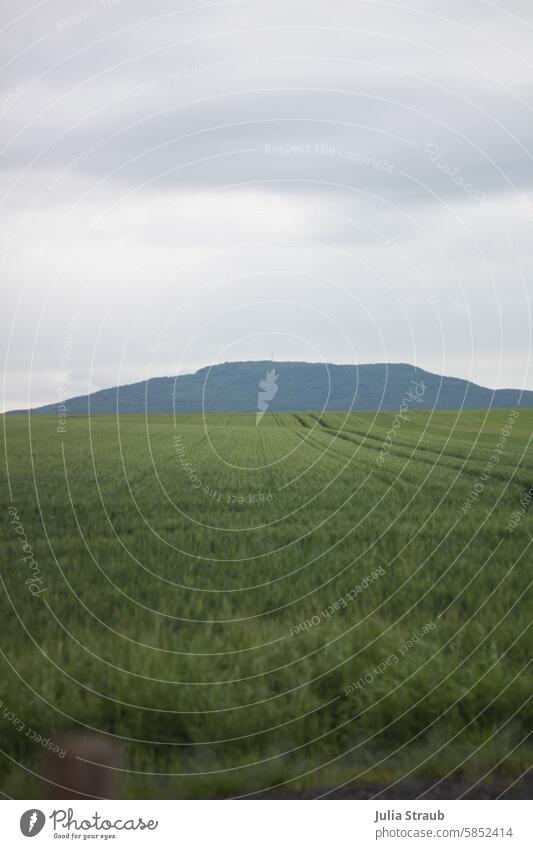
(246, 607)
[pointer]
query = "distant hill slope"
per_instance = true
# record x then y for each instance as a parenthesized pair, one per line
(234, 387)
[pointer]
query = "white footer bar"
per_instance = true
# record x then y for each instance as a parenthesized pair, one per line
(267, 824)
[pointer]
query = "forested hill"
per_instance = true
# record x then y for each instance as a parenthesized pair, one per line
(234, 387)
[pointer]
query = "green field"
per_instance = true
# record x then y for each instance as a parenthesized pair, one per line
(189, 598)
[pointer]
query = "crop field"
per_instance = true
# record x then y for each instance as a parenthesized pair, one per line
(310, 603)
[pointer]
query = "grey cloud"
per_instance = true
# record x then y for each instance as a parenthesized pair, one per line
(344, 125)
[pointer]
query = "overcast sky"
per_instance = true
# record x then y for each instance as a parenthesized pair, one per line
(186, 183)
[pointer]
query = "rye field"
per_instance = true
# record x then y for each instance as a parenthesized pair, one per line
(310, 603)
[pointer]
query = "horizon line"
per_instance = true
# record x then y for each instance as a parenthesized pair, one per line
(385, 363)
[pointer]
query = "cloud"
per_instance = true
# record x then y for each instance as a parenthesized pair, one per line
(366, 160)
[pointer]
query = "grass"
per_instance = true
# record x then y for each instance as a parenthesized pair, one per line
(187, 570)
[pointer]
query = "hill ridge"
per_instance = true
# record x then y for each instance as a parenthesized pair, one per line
(233, 387)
